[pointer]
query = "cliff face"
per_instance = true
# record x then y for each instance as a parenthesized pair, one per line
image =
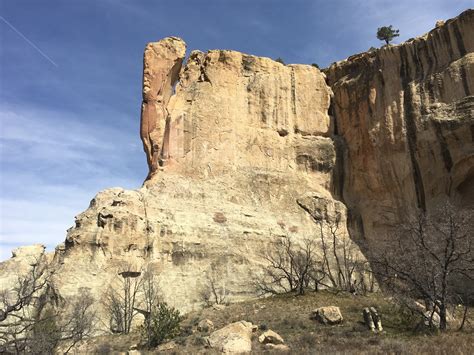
(405, 117)
(243, 150)
(235, 113)
(239, 154)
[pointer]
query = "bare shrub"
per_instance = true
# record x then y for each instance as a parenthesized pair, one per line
(151, 301)
(121, 300)
(35, 319)
(80, 319)
(289, 267)
(331, 260)
(428, 257)
(214, 290)
(340, 258)
(20, 309)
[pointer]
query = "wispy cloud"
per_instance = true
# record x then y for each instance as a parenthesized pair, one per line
(52, 164)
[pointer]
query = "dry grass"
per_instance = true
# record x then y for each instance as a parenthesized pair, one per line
(288, 315)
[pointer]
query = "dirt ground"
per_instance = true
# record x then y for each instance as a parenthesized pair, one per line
(288, 315)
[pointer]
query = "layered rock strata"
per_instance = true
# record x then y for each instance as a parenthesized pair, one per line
(243, 150)
(405, 118)
(239, 154)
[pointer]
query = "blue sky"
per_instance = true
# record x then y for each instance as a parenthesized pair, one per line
(70, 92)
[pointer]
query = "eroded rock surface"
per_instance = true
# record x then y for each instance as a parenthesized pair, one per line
(240, 155)
(243, 151)
(405, 117)
(161, 66)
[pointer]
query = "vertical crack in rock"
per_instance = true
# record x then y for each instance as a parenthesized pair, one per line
(465, 83)
(459, 39)
(448, 161)
(148, 227)
(410, 125)
(338, 174)
(409, 135)
(162, 63)
(293, 91)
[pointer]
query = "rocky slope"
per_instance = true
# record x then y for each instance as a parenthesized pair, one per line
(243, 150)
(405, 118)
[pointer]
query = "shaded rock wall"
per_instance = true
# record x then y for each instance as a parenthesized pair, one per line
(405, 118)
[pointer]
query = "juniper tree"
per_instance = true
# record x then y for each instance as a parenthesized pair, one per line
(387, 33)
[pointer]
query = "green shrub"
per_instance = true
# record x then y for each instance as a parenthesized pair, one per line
(387, 33)
(162, 324)
(279, 60)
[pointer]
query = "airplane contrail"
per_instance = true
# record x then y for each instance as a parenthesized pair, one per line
(28, 41)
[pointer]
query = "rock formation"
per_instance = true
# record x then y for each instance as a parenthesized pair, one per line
(405, 118)
(239, 156)
(243, 150)
(161, 66)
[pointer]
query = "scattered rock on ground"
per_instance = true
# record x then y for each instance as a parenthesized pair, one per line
(166, 346)
(270, 337)
(133, 347)
(328, 315)
(435, 319)
(205, 325)
(233, 338)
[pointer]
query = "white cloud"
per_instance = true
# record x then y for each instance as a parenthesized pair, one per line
(52, 164)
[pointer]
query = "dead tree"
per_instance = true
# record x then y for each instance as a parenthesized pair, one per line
(79, 321)
(121, 300)
(428, 257)
(151, 300)
(290, 267)
(35, 319)
(214, 290)
(339, 256)
(20, 308)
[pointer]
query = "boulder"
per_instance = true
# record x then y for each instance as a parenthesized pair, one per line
(166, 346)
(205, 325)
(270, 337)
(435, 319)
(327, 315)
(233, 338)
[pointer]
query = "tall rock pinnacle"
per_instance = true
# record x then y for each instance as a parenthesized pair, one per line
(161, 66)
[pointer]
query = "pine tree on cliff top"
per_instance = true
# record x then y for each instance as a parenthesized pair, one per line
(387, 34)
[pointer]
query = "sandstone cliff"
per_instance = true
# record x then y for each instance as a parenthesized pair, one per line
(239, 154)
(243, 150)
(405, 118)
